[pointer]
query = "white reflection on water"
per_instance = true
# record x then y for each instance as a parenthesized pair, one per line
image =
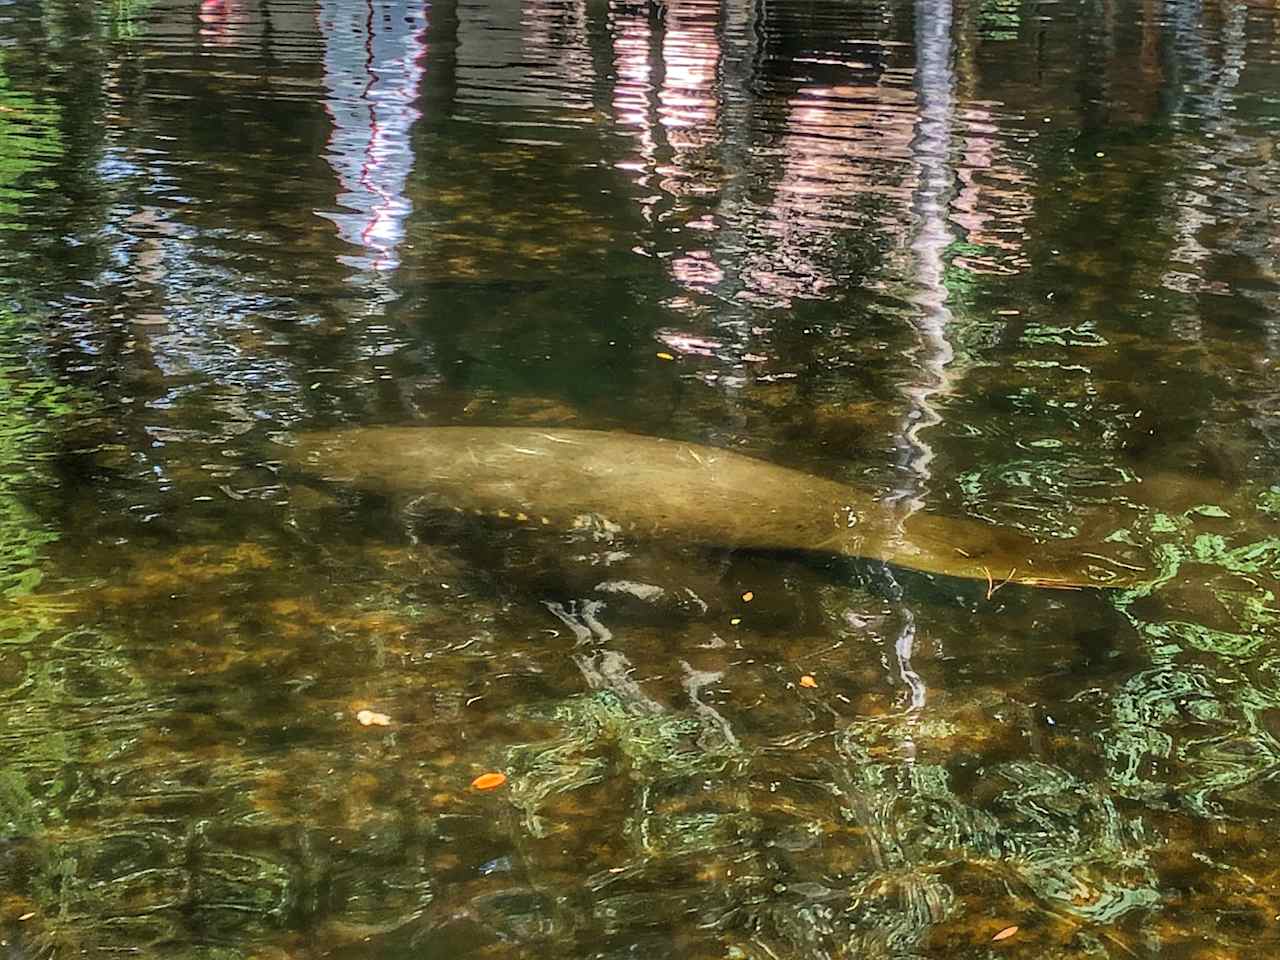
(373, 63)
(931, 150)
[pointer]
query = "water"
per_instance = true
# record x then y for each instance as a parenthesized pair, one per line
(1015, 262)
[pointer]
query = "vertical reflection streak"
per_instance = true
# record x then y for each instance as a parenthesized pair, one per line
(1205, 216)
(931, 147)
(931, 150)
(372, 69)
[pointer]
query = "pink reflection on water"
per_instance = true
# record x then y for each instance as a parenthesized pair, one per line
(634, 84)
(842, 142)
(848, 159)
(223, 23)
(690, 343)
(690, 55)
(665, 99)
(633, 89)
(994, 198)
(697, 269)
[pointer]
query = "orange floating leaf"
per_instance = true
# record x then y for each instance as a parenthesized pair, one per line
(488, 781)
(1005, 934)
(748, 596)
(808, 681)
(371, 718)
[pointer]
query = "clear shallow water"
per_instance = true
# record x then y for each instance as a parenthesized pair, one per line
(1012, 262)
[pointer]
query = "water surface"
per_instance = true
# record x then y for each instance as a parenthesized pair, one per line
(1016, 262)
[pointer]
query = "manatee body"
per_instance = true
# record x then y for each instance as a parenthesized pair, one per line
(649, 487)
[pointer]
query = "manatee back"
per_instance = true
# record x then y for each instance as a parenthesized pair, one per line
(648, 486)
(675, 491)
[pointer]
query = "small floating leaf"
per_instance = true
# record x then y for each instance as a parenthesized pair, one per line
(26, 916)
(748, 596)
(735, 621)
(371, 718)
(665, 356)
(1005, 934)
(808, 681)
(488, 781)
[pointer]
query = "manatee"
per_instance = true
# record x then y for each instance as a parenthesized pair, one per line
(675, 491)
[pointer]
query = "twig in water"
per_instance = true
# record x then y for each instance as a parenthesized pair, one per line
(992, 586)
(1050, 583)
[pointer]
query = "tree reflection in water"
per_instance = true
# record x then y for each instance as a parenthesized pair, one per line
(1007, 261)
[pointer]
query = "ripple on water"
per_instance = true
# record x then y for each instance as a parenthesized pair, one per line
(1014, 263)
